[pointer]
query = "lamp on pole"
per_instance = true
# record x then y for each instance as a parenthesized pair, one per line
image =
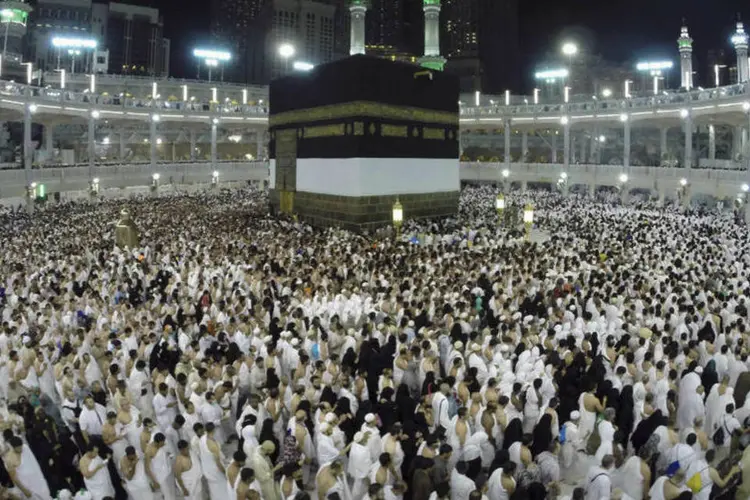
(570, 49)
(528, 220)
(500, 206)
(398, 217)
(286, 51)
(212, 58)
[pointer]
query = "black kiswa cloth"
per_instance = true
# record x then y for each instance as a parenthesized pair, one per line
(364, 78)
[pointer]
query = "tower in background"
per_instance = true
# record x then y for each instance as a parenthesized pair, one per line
(432, 58)
(739, 40)
(358, 12)
(685, 44)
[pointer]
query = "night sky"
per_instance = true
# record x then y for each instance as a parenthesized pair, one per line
(620, 30)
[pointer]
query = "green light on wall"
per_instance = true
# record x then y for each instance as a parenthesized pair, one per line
(41, 191)
(436, 65)
(13, 16)
(432, 2)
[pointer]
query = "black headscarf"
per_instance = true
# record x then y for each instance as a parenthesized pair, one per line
(646, 428)
(513, 433)
(542, 435)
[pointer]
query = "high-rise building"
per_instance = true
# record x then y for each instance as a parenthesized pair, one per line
(481, 41)
(135, 40)
(68, 18)
(129, 38)
(341, 27)
(14, 16)
(231, 21)
(385, 24)
(307, 25)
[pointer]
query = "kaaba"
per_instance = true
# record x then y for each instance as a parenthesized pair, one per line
(350, 138)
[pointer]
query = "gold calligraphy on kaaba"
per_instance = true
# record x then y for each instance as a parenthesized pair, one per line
(335, 130)
(433, 133)
(394, 130)
(363, 109)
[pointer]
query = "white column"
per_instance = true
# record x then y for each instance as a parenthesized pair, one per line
(506, 148)
(524, 145)
(626, 148)
(122, 143)
(152, 144)
(594, 145)
(49, 144)
(582, 156)
(736, 142)
(573, 152)
(663, 142)
(357, 11)
(688, 144)
(91, 145)
(260, 145)
(566, 147)
(28, 153)
(553, 145)
(712, 143)
(213, 143)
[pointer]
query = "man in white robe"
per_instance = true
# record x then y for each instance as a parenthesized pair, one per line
(264, 471)
(327, 451)
(461, 485)
(25, 472)
(360, 464)
(690, 401)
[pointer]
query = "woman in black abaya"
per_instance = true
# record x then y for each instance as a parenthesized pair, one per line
(513, 433)
(542, 435)
(625, 414)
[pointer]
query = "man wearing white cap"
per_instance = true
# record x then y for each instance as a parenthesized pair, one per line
(571, 443)
(374, 441)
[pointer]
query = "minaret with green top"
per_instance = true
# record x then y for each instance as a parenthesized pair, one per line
(358, 11)
(685, 45)
(432, 58)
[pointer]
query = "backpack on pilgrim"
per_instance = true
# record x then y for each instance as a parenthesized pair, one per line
(452, 405)
(720, 435)
(695, 482)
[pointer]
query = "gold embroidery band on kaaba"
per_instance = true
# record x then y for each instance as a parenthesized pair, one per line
(336, 130)
(433, 133)
(358, 109)
(394, 131)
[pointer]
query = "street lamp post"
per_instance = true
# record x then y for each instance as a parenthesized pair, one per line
(212, 58)
(499, 207)
(398, 217)
(528, 220)
(286, 51)
(570, 49)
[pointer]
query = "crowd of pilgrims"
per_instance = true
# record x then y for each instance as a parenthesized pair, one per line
(234, 355)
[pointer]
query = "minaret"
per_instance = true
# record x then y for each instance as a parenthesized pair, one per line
(432, 58)
(739, 40)
(358, 10)
(685, 44)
